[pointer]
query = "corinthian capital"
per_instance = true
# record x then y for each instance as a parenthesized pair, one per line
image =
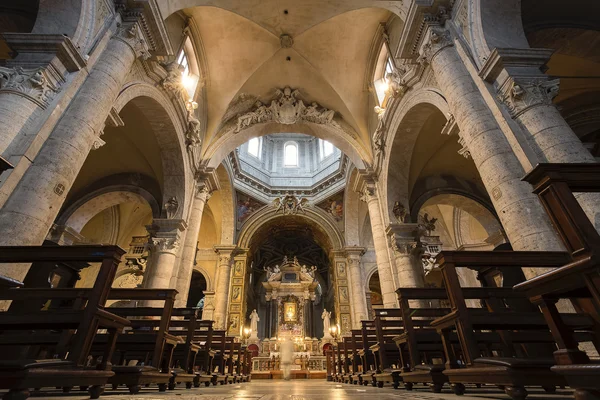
(369, 193)
(521, 95)
(32, 83)
(131, 34)
(439, 38)
(203, 193)
(165, 244)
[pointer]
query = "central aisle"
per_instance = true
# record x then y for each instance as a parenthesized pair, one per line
(304, 390)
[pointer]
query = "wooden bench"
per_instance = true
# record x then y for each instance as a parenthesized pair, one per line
(513, 372)
(85, 316)
(148, 341)
(388, 324)
(578, 279)
(369, 364)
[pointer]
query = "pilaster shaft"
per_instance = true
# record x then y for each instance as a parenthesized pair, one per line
(357, 286)
(520, 212)
(384, 267)
(188, 254)
(222, 285)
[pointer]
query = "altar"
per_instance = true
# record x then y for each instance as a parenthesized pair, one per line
(289, 292)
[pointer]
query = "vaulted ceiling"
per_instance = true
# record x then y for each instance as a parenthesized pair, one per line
(327, 62)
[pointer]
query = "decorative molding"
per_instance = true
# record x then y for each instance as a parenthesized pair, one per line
(464, 151)
(451, 127)
(98, 142)
(368, 194)
(286, 41)
(521, 95)
(246, 179)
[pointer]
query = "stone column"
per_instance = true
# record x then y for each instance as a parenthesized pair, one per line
(357, 285)
(28, 214)
(30, 82)
(384, 267)
(407, 254)
(188, 255)
(522, 216)
(165, 237)
(222, 284)
(528, 95)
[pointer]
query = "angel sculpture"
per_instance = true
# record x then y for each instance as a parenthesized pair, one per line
(278, 204)
(302, 202)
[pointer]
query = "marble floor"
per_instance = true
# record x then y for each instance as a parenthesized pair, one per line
(299, 390)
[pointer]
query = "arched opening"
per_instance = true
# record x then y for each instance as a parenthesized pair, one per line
(196, 292)
(374, 297)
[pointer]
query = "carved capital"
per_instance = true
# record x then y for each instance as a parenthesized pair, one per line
(163, 244)
(439, 39)
(520, 95)
(32, 83)
(131, 34)
(405, 248)
(368, 194)
(203, 193)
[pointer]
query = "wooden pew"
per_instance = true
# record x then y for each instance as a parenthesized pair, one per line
(219, 344)
(388, 324)
(369, 364)
(183, 324)
(578, 279)
(203, 335)
(148, 340)
(512, 373)
(423, 344)
(85, 316)
(355, 346)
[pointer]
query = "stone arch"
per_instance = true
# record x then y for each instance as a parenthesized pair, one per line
(268, 214)
(167, 126)
(206, 275)
(477, 207)
(72, 18)
(229, 141)
(80, 213)
(404, 126)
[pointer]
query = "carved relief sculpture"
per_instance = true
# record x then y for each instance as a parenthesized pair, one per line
(29, 82)
(286, 109)
(399, 212)
(290, 205)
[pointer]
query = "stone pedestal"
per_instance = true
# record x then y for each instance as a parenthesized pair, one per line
(522, 216)
(209, 306)
(188, 254)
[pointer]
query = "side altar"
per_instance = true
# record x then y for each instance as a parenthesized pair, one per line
(289, 292)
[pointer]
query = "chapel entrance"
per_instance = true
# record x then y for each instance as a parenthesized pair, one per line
(291, 289)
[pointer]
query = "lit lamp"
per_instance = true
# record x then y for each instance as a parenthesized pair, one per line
(333, 330)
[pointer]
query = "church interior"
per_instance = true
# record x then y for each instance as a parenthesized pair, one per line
(317, 199)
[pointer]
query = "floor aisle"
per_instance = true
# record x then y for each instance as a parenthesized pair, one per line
(299, 390)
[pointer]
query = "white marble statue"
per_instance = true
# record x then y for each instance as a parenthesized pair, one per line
(254, 324)
(326, 316)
